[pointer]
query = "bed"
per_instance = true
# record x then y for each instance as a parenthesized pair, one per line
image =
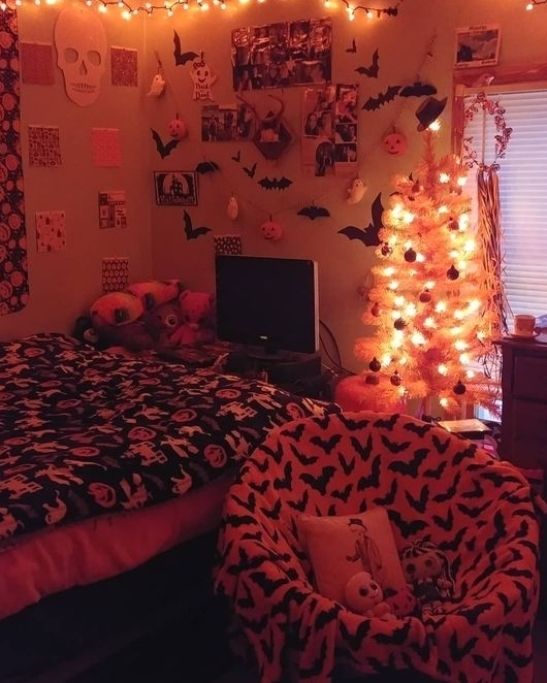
(109, 461)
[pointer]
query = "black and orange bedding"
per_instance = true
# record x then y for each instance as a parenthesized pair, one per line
(84, 433)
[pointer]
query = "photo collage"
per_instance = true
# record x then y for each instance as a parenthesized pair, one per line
(329, 129)
(227, 123)
(282, 55)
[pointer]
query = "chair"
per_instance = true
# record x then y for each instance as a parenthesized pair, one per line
(479, 511)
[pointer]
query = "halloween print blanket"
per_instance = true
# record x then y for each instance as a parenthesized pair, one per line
(84, 432)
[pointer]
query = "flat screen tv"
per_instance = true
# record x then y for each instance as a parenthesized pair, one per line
(268, 302)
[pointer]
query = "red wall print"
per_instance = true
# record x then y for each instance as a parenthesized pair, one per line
(13, 243)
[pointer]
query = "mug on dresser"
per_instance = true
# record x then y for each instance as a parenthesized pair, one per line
(525, 325)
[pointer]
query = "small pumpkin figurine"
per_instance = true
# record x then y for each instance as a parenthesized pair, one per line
(177, 128)
(272, 230)
(395, 143)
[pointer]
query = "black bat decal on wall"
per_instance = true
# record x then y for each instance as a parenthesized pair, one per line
(250, 171)
(275, 183)
(312, 212)
(369, 235)
(189, 230)
(207, 167)
(372, 70)
(237, 157)
(388, 95)
(164, 150)
(353, 47)
(418, 89)
(182, 57)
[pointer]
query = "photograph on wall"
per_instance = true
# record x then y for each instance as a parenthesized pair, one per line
(227, 123)
(282, 55)
(329, 129)
(112, 209)
(176, 188)
(477, 46)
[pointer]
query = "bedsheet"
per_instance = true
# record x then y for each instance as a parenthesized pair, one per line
(84, 433)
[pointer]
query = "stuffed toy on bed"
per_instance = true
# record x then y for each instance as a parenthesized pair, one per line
(197, 312)
(117, 320)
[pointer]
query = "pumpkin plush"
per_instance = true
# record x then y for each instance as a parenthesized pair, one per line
(196, 309)
(117, 320)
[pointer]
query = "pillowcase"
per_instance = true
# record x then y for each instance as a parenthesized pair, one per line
(339, 547)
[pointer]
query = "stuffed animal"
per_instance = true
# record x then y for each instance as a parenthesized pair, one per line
(163, 322)
(117, 320)
(365, 596)
(428, 570)
(154, 293)
(196, 309)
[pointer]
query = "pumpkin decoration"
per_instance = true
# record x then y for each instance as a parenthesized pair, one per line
(178, 130)
(395, 143)
(272, 230)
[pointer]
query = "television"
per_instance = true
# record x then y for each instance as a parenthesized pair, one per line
(268, 302)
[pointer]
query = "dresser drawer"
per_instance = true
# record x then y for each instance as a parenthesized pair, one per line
(530, 378)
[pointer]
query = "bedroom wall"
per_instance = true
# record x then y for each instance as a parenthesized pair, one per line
(403, 46)
(64, 283)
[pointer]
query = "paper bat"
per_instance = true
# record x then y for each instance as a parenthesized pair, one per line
(388, 95)
(182, 57)
(164, 149)
(418, 89)
(207, 167)
(275, 183)
(250, 171)
(312, 212)
(369, 236)
(237, 157)
(353, 47)
(372, 70)
(189, 230)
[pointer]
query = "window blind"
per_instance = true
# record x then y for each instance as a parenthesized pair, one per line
(523, 195)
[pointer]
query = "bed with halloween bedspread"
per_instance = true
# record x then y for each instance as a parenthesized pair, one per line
(86, 435)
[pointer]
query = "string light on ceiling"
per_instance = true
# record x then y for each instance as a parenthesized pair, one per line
(129, 9)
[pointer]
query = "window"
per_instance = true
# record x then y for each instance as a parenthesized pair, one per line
(523, 193)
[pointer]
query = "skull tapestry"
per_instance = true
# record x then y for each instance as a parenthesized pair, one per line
(13, 246)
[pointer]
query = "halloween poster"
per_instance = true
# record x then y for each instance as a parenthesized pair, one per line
(112, 210)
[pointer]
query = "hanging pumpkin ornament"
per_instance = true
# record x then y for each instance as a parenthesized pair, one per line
(272, 230)
(375, 310)
(410, 255)
(399, 324)
(178, 130)
(453, 225)
(395, 143)
(375, 365)
(372, 379)
(232, 210)
(452, 273)
(459, 388)
(386, 250)
(356, 191)
(395, 379)
(425, 296)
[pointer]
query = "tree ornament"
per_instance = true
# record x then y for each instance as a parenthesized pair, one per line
(410, 255)
(272, 230)
(452, 273)
(453, 225)
(400, 324)
(395, 379)
(425, 296)
(459, 388)
(375, 310)
(375, 365)
(232, 210)
(178, 130)
(372, 379)
(395, 143)
(386, 250)
(157, 87)
(356, 191)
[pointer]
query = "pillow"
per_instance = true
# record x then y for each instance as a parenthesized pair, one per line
(339, 547)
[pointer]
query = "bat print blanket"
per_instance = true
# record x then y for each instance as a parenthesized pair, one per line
(435, 487)
(84, 433)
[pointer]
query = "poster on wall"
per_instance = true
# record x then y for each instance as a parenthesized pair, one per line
(112, 209)
(115, 273)
(44, 146)
(282, 55)
(477, 46)
(329, 129)
(50, 231)
(227, 123)
(176, 188)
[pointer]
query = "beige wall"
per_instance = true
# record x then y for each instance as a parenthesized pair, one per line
(64, 283)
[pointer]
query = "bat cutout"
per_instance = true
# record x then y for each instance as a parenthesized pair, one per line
(312, 212)
(418, 89)
(164, 150)
(182, 57)
(382, 98)
(189, 230)
(237, 157)
(251, 171)
(275, 183)
(369, 236)
(372, 70)
(207, 167)
(353, 47)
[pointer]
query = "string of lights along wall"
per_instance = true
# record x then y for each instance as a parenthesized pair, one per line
(128, 10)
(535, 3)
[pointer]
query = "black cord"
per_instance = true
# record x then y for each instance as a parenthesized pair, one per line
(337, 364)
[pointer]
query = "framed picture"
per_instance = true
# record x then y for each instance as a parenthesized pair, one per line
(282, 55)
(227, 123)
(176, 188)
(477, 46)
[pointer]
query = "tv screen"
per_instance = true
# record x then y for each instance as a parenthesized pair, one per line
(268, 302)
